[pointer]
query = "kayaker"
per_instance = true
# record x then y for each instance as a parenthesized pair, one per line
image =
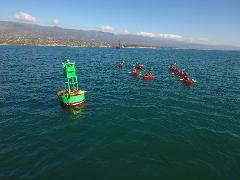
(184, 75)
(173, 66)
(148, 73)
(120, 64)
(134, 70)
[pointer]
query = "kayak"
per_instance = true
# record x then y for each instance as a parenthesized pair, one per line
(187, 81)
(178, 73)
(138, 66)
(173, 69)
(120, 65)
(146, 77)
(182, 75)
(134, 73)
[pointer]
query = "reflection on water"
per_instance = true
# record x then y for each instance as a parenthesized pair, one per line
(75, 112)
(74, 115)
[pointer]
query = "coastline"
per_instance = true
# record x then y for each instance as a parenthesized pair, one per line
(110, 46)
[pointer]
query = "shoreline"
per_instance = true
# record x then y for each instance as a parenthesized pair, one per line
(129, 47)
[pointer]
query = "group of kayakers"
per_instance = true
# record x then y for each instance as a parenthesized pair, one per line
(182, 75)
(137, 70)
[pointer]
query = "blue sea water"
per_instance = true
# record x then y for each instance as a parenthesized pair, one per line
(129, 128)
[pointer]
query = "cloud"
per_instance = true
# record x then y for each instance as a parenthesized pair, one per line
(161, 36)
(105, 28)
(170, 36)
(146, 34)
(22, 16)
(55, 22)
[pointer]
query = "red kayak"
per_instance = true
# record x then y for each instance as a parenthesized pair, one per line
(138, 66)
(149, 76)
(173, 69)
(182, 75)
(178, 72)
(187, 81)
(134, 73)
(120, 65)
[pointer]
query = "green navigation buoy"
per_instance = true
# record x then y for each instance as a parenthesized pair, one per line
(71, 95)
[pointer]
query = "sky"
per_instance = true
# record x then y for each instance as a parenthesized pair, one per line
(201, 21)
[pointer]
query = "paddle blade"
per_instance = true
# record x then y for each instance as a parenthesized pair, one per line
(194, 80)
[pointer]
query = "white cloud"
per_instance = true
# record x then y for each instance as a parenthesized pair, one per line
(146, 34)
(105, 28)
(159, 35)
(55, 22)
(170, 36)
(173, 37)
(22, 16)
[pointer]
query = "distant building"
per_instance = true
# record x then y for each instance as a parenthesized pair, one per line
(120, 45)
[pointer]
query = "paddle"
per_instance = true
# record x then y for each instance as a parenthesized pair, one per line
(194, 80)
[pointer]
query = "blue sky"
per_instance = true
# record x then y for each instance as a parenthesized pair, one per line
(204, 21)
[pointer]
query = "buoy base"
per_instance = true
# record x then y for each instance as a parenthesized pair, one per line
(71, 99)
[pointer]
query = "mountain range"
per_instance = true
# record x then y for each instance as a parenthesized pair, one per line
(33, 34)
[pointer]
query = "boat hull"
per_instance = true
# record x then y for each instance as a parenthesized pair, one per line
(148, 77)
(188, 82)
(135, 73)
(140, 67)
(119, 65)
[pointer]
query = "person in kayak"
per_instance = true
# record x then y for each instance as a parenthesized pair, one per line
(173, 67)
(134, 72)
(184, 75)
(120, 64)
(149, 73)
(138, 66)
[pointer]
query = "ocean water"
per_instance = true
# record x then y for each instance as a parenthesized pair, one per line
(129, 128)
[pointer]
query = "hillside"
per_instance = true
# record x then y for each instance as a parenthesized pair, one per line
(32, 34)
